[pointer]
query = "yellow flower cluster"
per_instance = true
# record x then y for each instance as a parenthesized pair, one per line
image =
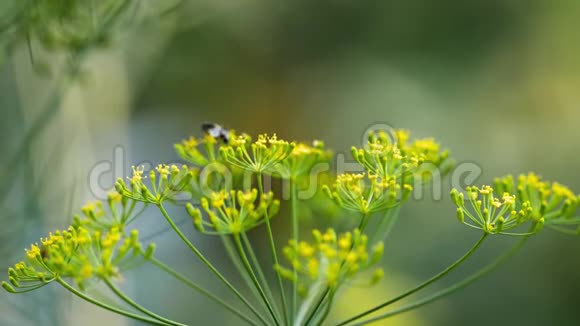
(231, 212)
(554, 202)
(230, 157)
(302, 159)
(367, 193)
(495, 214)
(331, 259)
(392, 165)
(76, 253)
(201, 152)
(120, 212)
(166, 182)
(259, 156)
(392, 156)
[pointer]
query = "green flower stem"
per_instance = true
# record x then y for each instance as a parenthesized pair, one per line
(209, 265)
(199, 289)
(306, 305)
(451, 289)
(386, 225)
(327, 308)
(564, 221)
(135, 305)
(27, 289)
(250, 271)
(562, 230)
(364, 222)
(296, 237)
(235, 258)
(318, 305)
(261, 276)
(274, 254)
(422, 285)
(315, 294)
(106, 306)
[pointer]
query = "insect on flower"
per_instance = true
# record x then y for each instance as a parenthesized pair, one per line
(44, 252)
(216, 131)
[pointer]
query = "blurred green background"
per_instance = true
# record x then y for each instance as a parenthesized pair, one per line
(495, 81)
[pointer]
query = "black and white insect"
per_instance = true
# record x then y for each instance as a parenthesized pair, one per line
(216, 131)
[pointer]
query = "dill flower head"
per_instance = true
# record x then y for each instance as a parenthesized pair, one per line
(495, 212)
(366, 193)
(389, 156)
(202, 151)
(118, 211)
(331, 259)
(259, 156)
(166, 182)
(552, 201)
(233, 212)
(302, 159)
(77, 253)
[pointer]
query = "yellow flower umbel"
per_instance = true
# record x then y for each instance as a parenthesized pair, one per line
(233, 212)
(332, 259)
(76, 253)
(302, 159)
(493, 213)
(167, 182)
(367, 194)
(392, 156)
(553, 202)
(259, 156)
(119, 212)
(201, 152)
